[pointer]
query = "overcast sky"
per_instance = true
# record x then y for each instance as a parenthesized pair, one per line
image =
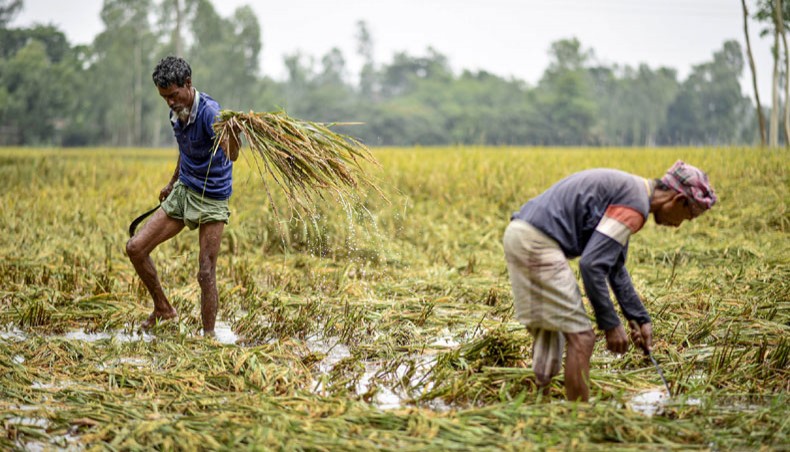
(505, 37)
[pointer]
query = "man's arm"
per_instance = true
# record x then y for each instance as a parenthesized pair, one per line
(623, 289)
(169, 187)
(605, 252)
(631, 304)
(596, 262)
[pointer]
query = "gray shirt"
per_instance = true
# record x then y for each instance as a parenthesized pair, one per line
(591, 215)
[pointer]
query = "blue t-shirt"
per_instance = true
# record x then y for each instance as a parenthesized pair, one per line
(206, 173)
(592, 214)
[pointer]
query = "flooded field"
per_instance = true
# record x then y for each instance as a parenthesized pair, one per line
(384, 324)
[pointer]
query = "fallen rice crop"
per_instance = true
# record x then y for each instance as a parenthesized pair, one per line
(383, 324)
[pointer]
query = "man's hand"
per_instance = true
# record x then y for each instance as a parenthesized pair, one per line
(232, 143)
(165, 192)
(616, 340)
(642, 335)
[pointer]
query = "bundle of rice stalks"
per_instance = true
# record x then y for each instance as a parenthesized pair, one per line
(304, 158)
(498, 347)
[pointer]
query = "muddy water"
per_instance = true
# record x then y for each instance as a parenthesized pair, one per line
(80, 335)
(386, 395)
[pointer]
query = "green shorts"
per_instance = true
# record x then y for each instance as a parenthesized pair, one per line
(194, 209)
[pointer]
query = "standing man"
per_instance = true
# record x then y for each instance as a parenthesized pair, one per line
(196, 196)
(590, 214)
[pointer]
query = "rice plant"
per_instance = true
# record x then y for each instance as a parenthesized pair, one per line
(392, 331)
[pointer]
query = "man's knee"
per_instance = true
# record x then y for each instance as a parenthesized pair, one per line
(133, 249)
(206, 274)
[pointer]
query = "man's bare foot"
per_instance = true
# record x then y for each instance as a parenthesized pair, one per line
(157, 316)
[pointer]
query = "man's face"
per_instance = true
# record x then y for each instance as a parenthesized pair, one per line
(179, 99)
(675, 211)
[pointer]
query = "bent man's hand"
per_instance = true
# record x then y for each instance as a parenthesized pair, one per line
(616, 340)
(642, 335)
(165, 192)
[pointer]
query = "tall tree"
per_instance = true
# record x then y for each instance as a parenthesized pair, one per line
(760, 115)
(225, 54)
(564, 98)
(774, 14)
(773, 137)
(35, 96)
(37, 68)
(633, 103)
(401, 76)
(300, 73)
(8, 10)
(779, 21)
(709, 108)
(365, 51)
(174, 19)
(124, 56)
(178, 40)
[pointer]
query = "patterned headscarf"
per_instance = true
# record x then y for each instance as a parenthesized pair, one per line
(691, 182)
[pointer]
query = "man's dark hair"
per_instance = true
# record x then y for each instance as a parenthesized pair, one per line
(171, 70)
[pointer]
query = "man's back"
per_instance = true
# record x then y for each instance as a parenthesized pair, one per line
(571, 209)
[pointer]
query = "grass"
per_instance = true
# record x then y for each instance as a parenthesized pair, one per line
(405, 300)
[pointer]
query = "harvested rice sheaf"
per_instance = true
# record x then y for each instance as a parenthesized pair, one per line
(304, 158)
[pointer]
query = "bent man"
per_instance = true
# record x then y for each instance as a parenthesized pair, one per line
(591, 215)
(196, 196)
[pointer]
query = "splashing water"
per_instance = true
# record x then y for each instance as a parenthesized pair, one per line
(224, 334)
(649, 402)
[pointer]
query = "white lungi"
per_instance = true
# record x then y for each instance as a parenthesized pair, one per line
(546, 296)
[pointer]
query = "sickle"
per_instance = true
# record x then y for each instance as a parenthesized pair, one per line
(138, 220)
(660, 372)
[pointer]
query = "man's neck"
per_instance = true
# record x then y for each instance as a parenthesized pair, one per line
(660, 196)
(192, 100)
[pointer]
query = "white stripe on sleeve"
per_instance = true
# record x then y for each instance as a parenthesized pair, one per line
(614, 229)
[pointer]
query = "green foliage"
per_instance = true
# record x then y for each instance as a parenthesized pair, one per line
(634, 102)
(34, 87)
(709, 107)
(103, 93)
(8, 9)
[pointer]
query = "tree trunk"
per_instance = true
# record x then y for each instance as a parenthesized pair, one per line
(137, 132)
(781, 25)
(773, 136)
(760, 115)
(177, 34)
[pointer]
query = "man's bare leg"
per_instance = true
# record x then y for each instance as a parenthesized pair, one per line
(577, 365)
(158, 229)
(210, 241)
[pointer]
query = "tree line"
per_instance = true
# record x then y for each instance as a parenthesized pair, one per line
(55, 93)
